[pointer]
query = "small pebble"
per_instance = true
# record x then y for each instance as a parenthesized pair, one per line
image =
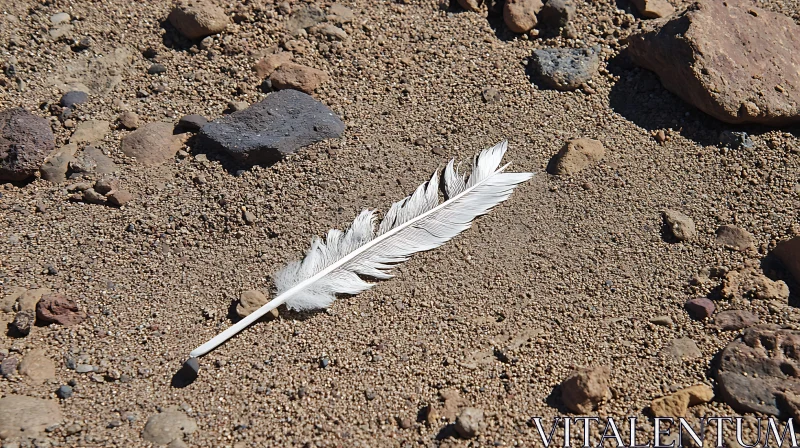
(64, 392)
(155, 69)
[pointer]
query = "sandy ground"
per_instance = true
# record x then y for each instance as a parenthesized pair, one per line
(578, 264)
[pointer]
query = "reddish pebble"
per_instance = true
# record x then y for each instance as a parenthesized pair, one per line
(700, 308)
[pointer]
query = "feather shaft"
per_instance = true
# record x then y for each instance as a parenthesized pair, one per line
(438, 224)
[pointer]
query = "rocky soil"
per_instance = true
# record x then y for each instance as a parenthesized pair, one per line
(152, 181)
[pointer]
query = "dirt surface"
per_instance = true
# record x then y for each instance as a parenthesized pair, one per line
(576, 266)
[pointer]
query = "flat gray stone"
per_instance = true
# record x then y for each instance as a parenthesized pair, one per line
(268, 130)
(565, 68)
(167, 427)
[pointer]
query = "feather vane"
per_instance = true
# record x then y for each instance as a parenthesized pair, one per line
(414, 224)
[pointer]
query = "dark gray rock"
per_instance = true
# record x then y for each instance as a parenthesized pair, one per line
(25, 141)
(23, 321)
(757, 371)
(192, 122)
(266, 131)
(64, 392)
(735, 140)
(73, 97)
(565, 68)
(557, 13)
(156, 69)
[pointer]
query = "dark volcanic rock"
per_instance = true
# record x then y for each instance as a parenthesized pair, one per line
(73, 97)
(565, 68)
(732, 60)
(266, 131)
(756, 372)
(25, 141)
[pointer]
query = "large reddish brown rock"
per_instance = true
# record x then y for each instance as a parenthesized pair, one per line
(299, 77)
(730, 59)
(585, 388)
(25, 141)
(759, 372)
(57, 308)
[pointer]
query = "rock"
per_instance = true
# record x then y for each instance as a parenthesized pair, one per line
(8, 366)
(304, 18)
(37, 366)
(22, 416)
(236, 106)
(25, 141)
(681, 226)
(565, 68)
(677, 404)
(10, 300)
(700, 308)
(28, 300)
(119, 197)
(82, 165)
(152, 144)
(56, 165)
(450, 403)
(557, 13)
(734, 237)
(736, 140)
(198, 18)
(84, 368)
(729, 59)
(269, 63)
(251, 301)
(329, 31)
(156, 69)
(90, 196)
(469, 422)
(520, 15)
(670, 406)
(749, 282)
(56, 308)
(585, 388)
(471, 5)
(59, 17)
(64, 392)
(168, 426)
(280, 124)
(340, 14)
(681, 349)
(788, 252)
(73, 97)
(653, 9)
(755, 369)
(299, 77)
(734, 320)
(90, 131)
(103, 164)
(664, 321)
(129, 120)
(490, 95)
(106, 185)
(23, 321)
(249, 218)
(404, 422)
(192, 122)
(576, 155)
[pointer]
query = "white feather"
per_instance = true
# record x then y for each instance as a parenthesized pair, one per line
(415, 224)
